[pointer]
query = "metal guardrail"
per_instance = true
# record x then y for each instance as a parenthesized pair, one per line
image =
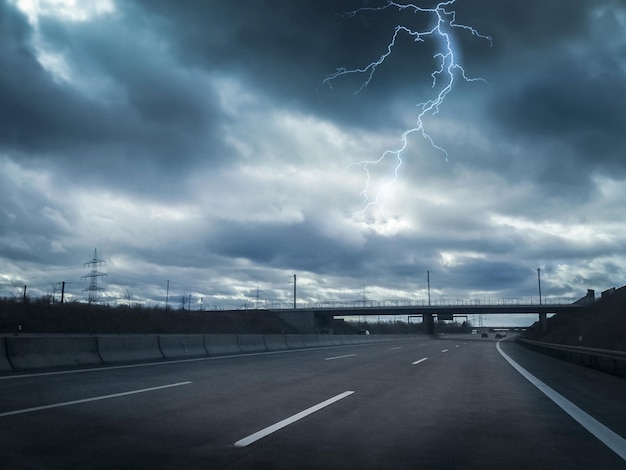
(607, 360)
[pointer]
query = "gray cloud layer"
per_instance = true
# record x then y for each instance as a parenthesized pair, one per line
(196, 142)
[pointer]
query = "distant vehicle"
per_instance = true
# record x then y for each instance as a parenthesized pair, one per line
(474, 332)
(500, 335)
(484, 335)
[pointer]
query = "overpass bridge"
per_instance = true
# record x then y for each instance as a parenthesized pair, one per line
(319, 318)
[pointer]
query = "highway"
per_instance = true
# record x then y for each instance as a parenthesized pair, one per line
(440, 403)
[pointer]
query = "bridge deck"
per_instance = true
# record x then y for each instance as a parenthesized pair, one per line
(449, 309)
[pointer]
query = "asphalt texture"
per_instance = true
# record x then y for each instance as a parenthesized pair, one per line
(464, 407)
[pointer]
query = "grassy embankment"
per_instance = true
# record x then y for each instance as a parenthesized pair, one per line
(80, 318)
(42, 317)
(601, 325)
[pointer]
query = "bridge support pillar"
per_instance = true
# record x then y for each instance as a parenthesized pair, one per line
(429, 323)
(543, 322)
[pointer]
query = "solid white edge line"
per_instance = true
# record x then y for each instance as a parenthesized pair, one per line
(86, 400)
(339, 357)
(612, 440)
(246, 441)
(420, 361)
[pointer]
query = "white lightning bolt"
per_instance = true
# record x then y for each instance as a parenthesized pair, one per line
(444, 77)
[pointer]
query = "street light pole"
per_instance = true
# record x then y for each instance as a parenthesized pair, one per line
(294, 291)
(539, 281)
(428, 281)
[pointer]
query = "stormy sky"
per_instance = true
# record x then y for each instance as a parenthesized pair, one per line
(196, 142)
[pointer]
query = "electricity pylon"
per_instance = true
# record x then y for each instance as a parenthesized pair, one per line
(93, 276)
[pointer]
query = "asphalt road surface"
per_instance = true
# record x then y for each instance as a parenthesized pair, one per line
(453, 403)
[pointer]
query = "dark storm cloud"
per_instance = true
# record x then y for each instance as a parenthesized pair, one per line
(476, 274)
(573, 103)
(282, 48)
(300, 246)
(288, 48)
(560, 100)
(515, 26)
(561, 95)
(158, 122)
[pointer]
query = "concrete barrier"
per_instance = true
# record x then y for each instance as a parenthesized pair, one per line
(325, 340)
(276, 342)
(347, 339)
(33, 353)
(129, 348)
(179, 346)
(221, 345)
(23, 353)
(5, 365)
(251, 343)
(311, 340)
(335, 340)
(339, 340)
(294, 341)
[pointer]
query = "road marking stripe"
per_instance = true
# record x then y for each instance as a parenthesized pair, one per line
(339, 357)
(612, 440)
(444, 350)
(458, 346)
(397, 347)
(246, 441)
(86, 400)
(421, 360)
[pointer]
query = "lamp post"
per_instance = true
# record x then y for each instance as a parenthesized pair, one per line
(539, 281)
